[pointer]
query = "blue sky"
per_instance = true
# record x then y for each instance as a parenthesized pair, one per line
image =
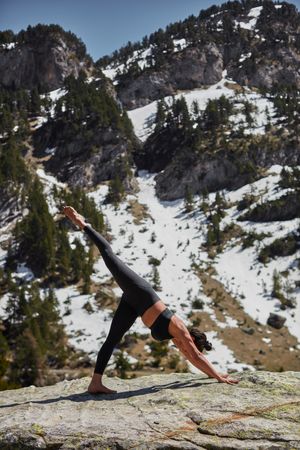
(103, 25)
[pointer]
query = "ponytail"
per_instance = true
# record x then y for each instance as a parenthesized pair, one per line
(200, 339)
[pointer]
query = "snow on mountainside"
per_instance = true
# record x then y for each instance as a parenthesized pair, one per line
(143, 118)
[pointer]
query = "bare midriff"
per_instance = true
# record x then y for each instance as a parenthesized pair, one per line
(151, 314)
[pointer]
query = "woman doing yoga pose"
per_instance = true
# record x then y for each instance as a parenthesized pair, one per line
(140, 299)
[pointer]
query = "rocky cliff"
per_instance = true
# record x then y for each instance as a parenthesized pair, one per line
(42, 57)
(189, 69)
(179, 166)
(176, 411)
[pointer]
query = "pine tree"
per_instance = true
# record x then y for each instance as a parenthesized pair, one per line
(26, 366)
(276, 291)
(63, 255)
(156, 279)
(188, 200)
(35, 102)
(3, 355)
(116, 191)
(195, 109)
(122, 365)
(36, 233)
(160, 115)
(77, 260)
(86, 273)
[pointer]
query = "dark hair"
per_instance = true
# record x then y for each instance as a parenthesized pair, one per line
(201, 341)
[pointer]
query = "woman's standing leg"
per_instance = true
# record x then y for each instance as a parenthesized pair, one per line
(123, 319)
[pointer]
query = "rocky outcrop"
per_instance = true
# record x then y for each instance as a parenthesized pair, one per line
(209, 172)
(286, 207)
(44, 64)
(87, 160)
(189, 69)
(275, 66)
(176, 411)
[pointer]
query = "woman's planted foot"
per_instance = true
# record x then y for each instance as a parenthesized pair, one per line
(74, 216)
(100, 389)
(96, 386)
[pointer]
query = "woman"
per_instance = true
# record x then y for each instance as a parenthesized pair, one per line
(139, 299)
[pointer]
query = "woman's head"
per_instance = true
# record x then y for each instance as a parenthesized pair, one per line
(200, 339)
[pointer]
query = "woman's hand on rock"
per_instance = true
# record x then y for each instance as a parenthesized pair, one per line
(225, 378)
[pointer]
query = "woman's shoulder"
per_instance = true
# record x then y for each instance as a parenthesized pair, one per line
(177, 328)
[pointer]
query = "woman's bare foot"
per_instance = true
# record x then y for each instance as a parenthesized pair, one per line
(96, 386)
(99, 389)
(74, 216)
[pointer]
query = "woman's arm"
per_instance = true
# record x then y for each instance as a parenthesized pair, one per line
(194, 356)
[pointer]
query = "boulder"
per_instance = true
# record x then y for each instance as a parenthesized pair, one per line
(276, 321)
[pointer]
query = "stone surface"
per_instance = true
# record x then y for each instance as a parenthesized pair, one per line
(192, 68)
(276, 321)
(176, 411)
(222, 170)
(46, 64)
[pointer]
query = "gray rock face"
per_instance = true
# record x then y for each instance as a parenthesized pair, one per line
(45, 64)
(220, 171)
(279, 66)
(87, 160)
(176, 411)
(189, 69)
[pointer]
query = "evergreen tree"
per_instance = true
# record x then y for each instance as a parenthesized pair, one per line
(12, 166)
(63, 255)
(27, 363)
(116, 191)
(36, 233)
(3, 355)
(276, 291)
(77, 260)
(86, 273)
(35, 102)
(156, 279)
(188, 200)
(195, 109)
(160, 115)
(122, 365)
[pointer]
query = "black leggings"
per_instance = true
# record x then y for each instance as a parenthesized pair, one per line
(138, 296)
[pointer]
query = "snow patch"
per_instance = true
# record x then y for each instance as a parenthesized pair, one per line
(9, 46)
(253, 14)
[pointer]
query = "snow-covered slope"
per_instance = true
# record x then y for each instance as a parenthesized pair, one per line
(143, 118)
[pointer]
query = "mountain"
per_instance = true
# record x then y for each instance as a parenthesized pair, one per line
(183, 150)
(257, 42)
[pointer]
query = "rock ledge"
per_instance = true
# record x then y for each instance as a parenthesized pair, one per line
(175, 411)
